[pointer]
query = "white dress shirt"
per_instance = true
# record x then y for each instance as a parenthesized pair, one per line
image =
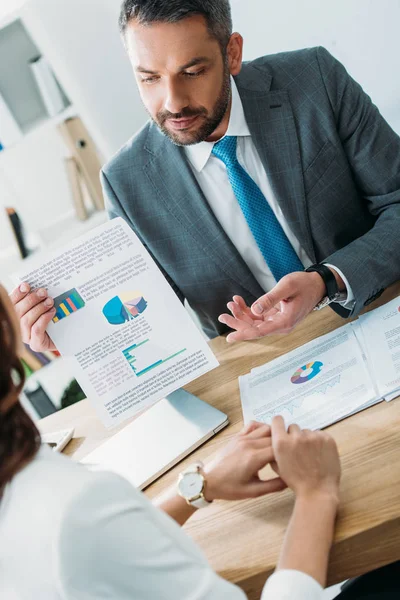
(67, 533)
(212, 177)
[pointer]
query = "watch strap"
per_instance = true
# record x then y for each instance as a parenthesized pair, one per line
(194, 468)
(332, 288)
(200, 501)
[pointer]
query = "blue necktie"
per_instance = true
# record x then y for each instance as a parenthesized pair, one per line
(275, 247)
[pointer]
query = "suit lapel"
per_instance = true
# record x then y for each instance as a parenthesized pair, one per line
(270, 119)
(175, 185)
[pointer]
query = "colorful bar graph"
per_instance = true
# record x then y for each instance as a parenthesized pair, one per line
(64, 309)
(66, 304)
(71, 304)
(130, 356)
(159, 362)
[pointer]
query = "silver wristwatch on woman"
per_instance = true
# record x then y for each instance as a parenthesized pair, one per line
(191, 486)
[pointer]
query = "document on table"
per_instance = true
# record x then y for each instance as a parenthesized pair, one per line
(381, 335)
(314, 386)
(130, 340)
(331, 377)
(390, 397)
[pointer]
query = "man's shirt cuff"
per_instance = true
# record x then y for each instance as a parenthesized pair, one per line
(350, 300)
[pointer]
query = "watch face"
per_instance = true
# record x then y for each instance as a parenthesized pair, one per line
(191, 485)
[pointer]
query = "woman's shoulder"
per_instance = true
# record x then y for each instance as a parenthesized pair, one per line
(63, 509)
(54, 482)
(53, 469)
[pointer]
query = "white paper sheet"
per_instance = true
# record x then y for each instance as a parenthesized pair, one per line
(314, 386)
(131, 340)
(390, 397)
(381, 333)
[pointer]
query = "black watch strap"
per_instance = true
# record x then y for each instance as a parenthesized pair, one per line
(332, 288)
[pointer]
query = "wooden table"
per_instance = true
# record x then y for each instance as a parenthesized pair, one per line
(242, 540)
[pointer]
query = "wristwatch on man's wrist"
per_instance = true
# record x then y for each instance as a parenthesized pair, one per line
(191, 486)
(333, 294)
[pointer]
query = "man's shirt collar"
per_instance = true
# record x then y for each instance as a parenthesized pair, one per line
(198, 154)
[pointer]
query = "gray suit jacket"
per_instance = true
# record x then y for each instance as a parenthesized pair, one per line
(333, 162)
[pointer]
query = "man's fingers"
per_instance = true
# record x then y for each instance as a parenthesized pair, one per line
(19, 293)
(282, 291)
(230, 321)
(277, 323)
(238, 313)
(242, 305)
(240, 302)
(263, 304)
(238, 324)
(245, 334)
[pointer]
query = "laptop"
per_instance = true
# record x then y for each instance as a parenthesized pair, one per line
(157, 440)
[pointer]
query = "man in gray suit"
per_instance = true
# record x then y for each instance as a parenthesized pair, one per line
(320, 152)
(248, 174)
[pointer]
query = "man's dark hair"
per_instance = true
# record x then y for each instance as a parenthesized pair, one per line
(216, 12)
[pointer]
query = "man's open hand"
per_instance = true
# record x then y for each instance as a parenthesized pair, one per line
(279, 311)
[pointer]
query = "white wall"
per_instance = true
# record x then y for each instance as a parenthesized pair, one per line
(34, 173)
(363, 34)
(8, 7)
(81, 40)
(33, 180)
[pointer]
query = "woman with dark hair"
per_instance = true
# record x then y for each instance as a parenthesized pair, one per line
(19, 438)
(72, 534)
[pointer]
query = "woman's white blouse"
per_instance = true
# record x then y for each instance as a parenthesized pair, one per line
(71, 534)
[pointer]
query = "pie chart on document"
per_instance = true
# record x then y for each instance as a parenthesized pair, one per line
(307, 372)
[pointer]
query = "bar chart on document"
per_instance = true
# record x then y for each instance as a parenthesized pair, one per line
(66, 304)
(146, 356)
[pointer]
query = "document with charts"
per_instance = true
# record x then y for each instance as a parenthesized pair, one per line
(331, 377)
(381, 334)
(129, 338)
